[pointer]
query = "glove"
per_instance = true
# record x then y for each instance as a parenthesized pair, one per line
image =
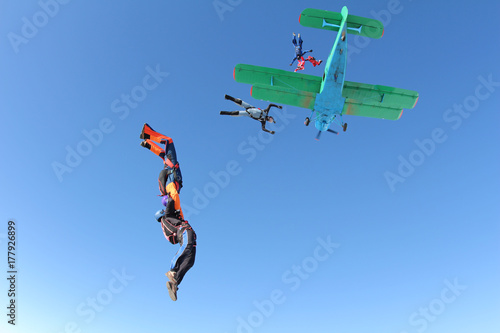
(164, 200)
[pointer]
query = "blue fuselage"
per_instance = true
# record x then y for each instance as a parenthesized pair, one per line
(329, 102)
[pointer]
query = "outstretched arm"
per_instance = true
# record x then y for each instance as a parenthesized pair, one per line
(264, 127)
(266, 110)
(274, 105)
(295, 58)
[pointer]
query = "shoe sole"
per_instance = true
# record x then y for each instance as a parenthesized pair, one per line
(143, 135)
(171, 292)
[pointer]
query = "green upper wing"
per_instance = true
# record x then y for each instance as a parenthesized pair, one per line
(357, 25)
(277, 78)
(377, 101)
(280, 95)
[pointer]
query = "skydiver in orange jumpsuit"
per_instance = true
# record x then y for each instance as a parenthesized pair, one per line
(170, 178)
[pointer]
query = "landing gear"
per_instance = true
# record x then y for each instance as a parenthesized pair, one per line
(307, 121)
(344, 127)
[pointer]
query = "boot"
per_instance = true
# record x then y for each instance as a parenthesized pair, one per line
(172, 290)
(149, 133)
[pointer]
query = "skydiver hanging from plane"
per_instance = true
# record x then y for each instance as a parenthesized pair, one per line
(299, 55)
(252, 112)
(175, 228)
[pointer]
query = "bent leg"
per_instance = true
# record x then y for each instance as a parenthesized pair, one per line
(154, 148)
(185, 257)
(313, 61)
(231, 98)
(172, 163)
(238, 101)
(149, 133)
(171, 153)
(229, 113)
(246, 105)
(235, 113)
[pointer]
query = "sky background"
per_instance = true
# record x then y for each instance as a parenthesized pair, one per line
(392, 226)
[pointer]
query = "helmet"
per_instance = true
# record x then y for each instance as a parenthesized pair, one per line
(159, 215)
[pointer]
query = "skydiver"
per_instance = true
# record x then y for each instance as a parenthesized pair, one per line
(175, 228)
(170, 178)
(252, 112)
(177, 231)
(299, 55)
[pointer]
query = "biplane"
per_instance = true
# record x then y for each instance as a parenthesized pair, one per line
(329, 97)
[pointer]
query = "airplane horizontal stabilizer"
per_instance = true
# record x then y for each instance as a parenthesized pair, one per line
(327, 20)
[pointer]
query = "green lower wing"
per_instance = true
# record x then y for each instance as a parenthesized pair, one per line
(380, 95)
(376, 101)
(276, 78)
(280, 95)
(353, 108)
(357, 25)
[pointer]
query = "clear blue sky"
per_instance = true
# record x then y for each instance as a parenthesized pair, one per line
(392, 226)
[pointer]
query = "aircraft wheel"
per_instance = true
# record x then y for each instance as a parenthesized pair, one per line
(344, 127)
(307, 121)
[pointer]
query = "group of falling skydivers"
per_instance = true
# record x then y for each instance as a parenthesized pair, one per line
(175, 228)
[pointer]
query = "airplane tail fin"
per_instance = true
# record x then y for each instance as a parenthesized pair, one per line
(357, 25)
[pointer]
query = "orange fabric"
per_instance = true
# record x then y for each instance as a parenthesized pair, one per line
(155, 136)
(300, 65)
(313, 61)
(160, 138)
(156, 149)
(168, 163)
(171, 190)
